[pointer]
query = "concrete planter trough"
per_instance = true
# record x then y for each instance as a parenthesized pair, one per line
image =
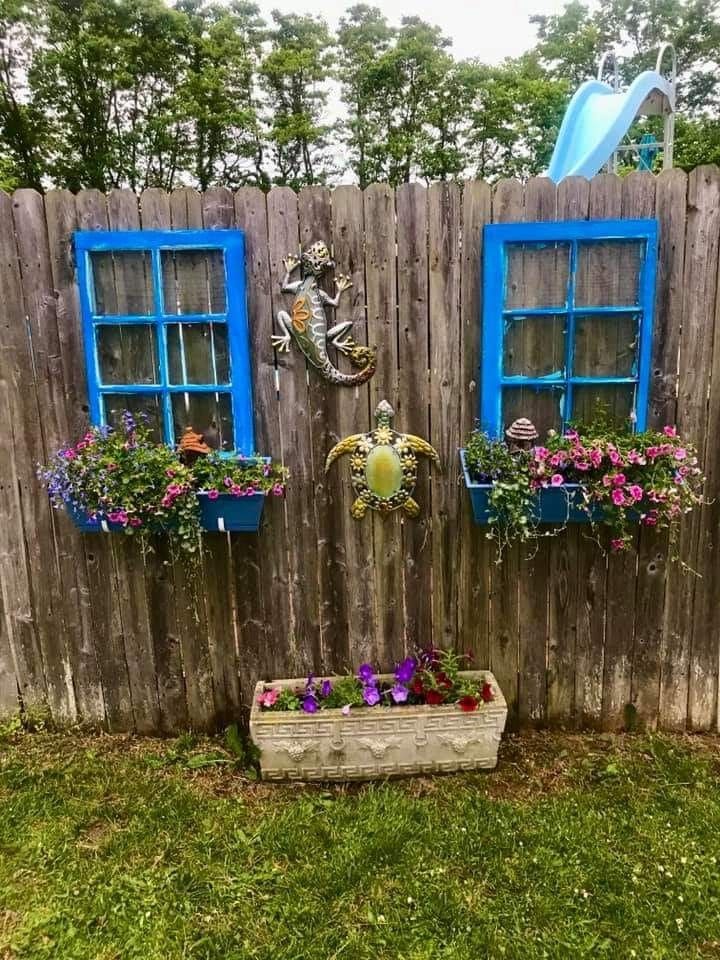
(376, 742)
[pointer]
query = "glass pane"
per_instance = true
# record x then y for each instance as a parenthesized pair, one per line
(193, 281)
(537, 275)
(122, 280)
(534, 346)
(609, 403)
(605, 345)
(608, 273)
(209, 414)
(144, 407)
(198, 353)
(541, 406)
(127, 353)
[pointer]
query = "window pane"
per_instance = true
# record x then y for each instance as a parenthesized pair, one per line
(144, 407)
(537, 276)
(127, 353)
(608, 273)
(207, 413)
(198, 353)
(541, 406)
(193, 281)
(605, 345)
(534, 346)
(122, 280)
(604, 402)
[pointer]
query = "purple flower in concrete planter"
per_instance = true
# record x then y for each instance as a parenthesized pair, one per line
(405, 671)
(399, 693)
(310, 704)
(366, 673)
(371, 695)
(325, 689)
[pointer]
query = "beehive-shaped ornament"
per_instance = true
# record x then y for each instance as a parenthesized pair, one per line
(383, 465)
(520, 434)
(192, 446)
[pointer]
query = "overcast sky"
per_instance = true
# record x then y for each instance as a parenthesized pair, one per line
(488, 29)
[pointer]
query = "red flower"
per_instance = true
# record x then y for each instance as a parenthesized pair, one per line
(444, 680)
(468, 704)
(416, 686)
(487, 693)
(434, 698)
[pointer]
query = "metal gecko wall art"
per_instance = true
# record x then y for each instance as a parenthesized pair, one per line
(307, 323)
(383, 465)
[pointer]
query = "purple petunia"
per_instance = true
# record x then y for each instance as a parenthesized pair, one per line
(310, 704)
(325, 689)
(371, 695)
(366, 673)
(405, 671)
(399, 693)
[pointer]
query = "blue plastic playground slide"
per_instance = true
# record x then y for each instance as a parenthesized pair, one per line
(596, 121)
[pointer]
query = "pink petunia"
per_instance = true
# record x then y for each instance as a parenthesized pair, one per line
(607, 480)
(268, 698)
(213, 494)
(617, 544)
(649, 520)
(670, 431)
(557, 459)
(635, 491)
(135, 522)
(278, 490)
(681, 453)
(619, 479)
(541, 453)
(615, 458)
(618, 497)
(557, 480)
(595, 457)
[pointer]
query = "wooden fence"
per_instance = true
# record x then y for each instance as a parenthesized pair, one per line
(92, 631)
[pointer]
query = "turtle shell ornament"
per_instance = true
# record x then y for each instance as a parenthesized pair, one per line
(383, 466)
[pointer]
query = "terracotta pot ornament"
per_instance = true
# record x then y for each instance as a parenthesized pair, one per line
(192, 446)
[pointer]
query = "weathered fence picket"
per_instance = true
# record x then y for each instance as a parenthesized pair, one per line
(93, 630)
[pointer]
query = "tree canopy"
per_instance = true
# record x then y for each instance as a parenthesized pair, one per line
(147, 93)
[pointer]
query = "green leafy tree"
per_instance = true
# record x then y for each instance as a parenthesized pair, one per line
(23, 128)
(103, 74)
(293, 76)
(215, 104)
(363, 36)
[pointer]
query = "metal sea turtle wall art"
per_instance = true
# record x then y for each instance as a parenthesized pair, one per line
(383, 465)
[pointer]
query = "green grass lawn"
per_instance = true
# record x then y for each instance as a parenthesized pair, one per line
(576, 847)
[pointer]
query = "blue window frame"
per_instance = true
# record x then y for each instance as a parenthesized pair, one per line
(165, 331)
(567, 318)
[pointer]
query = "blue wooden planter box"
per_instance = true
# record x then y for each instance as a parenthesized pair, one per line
(231, 514)
(553, 504)
(226, 514)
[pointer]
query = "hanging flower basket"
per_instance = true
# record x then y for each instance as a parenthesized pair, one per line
(124, 481)
(594, 474)
(427, 717)
(224, 514)
(562, 504)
